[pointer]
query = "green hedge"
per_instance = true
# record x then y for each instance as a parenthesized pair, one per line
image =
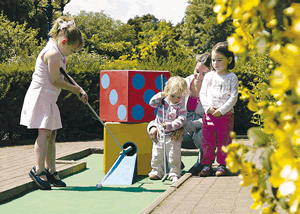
(78, 121)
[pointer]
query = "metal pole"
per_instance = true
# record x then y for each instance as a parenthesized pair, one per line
(49, 13)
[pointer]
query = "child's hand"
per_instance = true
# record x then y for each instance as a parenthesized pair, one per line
(217, 113)
(212, 110)
(153, 134)
(76, 90)
(83, 96)
(178, 134)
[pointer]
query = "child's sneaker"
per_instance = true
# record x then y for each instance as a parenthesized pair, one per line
(154, 177)
(173, 178)
(221, 170)
(206, 171)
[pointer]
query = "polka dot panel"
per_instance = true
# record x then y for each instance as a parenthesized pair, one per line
(125, 95)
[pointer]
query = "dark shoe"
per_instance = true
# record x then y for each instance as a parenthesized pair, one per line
(51, 178)
(221, 171)
(206, 171)
(43, 185)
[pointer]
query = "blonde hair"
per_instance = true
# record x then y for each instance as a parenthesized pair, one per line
(65, 26)
(176, 85)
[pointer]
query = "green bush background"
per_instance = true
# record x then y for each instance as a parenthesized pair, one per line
(78, 121)
(143, 43)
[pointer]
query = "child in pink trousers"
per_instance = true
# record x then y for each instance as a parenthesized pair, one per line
(218, 95)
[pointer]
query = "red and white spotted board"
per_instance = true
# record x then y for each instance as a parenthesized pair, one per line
(125, 94)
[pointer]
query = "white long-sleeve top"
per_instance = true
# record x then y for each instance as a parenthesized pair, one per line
(174, 114)
(219, 91)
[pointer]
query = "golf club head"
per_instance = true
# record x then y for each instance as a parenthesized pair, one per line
(126, 150)
(164, 178)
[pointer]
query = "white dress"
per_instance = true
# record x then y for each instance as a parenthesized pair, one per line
(40, 110)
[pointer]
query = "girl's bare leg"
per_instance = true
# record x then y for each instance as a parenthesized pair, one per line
(40, 150)
(51, 154)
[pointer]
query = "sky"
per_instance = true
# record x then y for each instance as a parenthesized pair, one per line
(170, 10)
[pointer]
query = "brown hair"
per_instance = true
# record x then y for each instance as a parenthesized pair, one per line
(205, 59)
(222, 47)
(65, 26)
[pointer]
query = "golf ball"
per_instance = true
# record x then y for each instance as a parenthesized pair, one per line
(99, 186)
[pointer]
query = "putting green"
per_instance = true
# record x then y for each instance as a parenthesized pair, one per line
(82, 196)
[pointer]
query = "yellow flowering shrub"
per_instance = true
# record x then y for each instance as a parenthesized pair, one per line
(269, 27)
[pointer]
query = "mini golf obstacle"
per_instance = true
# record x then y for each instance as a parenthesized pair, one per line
(141, 85)
(124, 105)
(124, 170)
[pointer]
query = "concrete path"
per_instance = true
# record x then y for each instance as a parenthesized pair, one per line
(15, 163)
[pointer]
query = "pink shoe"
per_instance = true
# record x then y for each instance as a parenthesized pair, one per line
(221, 170)
(206, 171)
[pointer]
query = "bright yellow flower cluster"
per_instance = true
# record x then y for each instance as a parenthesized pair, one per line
(124, 62)
(273, 27)
(149, 49)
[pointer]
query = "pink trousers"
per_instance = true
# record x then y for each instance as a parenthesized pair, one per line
(216, 133)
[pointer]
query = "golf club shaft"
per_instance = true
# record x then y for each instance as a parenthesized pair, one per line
(71, 82)
(164, 132)
(103, 124)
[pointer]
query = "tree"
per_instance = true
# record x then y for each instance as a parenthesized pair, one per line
(161, 42)
(16, 40)
(103, 35)
(23, 11)
(142, 23)
(200, 29)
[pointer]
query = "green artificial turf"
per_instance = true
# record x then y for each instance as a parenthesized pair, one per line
(82, 196)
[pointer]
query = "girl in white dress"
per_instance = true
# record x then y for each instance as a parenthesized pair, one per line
(40, 110)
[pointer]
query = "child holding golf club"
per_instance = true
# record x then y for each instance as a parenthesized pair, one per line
(40, 110)
(218, 95)
(171, 115)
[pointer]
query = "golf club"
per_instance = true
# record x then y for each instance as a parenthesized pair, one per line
(124, 151)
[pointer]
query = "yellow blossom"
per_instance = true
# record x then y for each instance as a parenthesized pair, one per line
(289, 11)
(248, 174)
(262, 28)
(272, 23)
(219, 8)
(287, 127)
(252, 105)
(297, 89)
(296, 137)
(280, 79)
(257, 193)
(294, 202)
(238, 13)
(296, 26)
(290, 175)
(279, 159)
(233, 162)
(236, 45)
(236, 23)
(280, 136)
(221, 17)
(248, 5)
